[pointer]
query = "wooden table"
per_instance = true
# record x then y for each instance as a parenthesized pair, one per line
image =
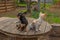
(8, 27)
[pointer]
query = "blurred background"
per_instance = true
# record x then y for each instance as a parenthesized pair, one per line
(32, 8)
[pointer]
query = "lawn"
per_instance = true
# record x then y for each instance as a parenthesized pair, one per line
(23, 5)
(20, 3)
(53, 17)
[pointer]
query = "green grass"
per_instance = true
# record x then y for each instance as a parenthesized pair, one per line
(23, 10)
(53, 19)
(22, 5)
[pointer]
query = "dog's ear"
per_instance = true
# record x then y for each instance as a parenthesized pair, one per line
(42, 15)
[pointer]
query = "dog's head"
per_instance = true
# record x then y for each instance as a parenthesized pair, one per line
(42, 15)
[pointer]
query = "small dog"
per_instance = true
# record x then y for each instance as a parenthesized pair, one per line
(35, 25)
(23, 20)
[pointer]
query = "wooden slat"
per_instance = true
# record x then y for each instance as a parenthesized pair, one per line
(10, 6)
(9, 2)
(10, 9)
(2, 4)
(1, 8)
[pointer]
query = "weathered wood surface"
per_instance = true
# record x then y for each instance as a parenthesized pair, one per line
(8, 27)
(56, 30)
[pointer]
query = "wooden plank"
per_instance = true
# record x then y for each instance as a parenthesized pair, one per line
(9, 1)
(10, 7)
(10, 4)
(10, 27)
(2, 8)
(2, 11)
(56, 29)
(5, 24)
(16, 35)
(2, 4)
(4, 21)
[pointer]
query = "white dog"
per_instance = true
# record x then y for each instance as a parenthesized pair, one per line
(36, 23)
